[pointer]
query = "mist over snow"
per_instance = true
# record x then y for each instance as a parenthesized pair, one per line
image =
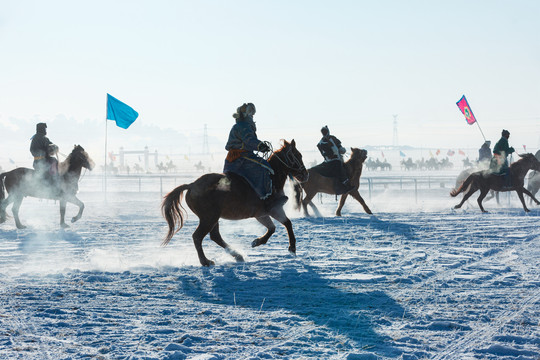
(416, 280)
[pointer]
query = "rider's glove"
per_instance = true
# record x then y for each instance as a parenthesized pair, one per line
(263, 147)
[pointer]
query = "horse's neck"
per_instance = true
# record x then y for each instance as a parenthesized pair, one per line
(354, 171)
(280, 175)
(519, 169)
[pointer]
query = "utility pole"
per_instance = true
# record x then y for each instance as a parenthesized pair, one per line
(206, 150)
(395, 136)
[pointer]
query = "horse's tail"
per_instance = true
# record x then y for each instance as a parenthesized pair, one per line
(173, 212)
(464, 186)
(2, 197)
(2, 190)
(298, 191)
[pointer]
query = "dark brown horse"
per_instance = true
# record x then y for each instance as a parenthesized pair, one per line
(485, 181)
(318, 183)
(215, 196)
(23, 182)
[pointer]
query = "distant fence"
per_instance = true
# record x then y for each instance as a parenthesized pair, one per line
(163, 183)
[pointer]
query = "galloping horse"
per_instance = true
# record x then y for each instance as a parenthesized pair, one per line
(22, 182)
(318, 183)
(215, 196)
(485, 181)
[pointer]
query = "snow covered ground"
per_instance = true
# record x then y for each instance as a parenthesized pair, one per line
(415, 281)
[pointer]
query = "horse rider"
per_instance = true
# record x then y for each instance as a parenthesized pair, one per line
(332, 152)
(499, 162)
(242, 160)
(484, 153)
(43, 150)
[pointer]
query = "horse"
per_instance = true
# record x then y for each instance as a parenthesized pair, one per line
(485, 181)
(22, 182)
(317, 183)
(214, 196)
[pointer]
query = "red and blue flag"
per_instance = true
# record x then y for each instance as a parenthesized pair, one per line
(463, 105)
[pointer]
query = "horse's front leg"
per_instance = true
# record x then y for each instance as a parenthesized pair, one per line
(356, 195)
(531, 195)
(74, 200)
(269, 224)
(279, 215)
(520, 196)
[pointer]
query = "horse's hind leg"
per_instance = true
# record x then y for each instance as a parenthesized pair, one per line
(466, 196)
(202, 230)
(269, 224)
(341, 203)
(15, 210)
(483, 194)
(216, 237)
(63, 214)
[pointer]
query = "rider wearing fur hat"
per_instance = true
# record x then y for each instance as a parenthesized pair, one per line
(242, 160)
(43, 151)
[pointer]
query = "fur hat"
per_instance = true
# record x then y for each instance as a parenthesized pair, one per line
(325, 130)
(505, 133)
(245, 109)
(41, 128)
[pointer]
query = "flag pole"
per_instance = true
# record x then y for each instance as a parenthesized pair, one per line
(105, 166)
(481, 132)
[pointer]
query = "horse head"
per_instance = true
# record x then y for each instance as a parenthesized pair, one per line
(358, 156)
(531, 161)
(292, 159)
(79, 157)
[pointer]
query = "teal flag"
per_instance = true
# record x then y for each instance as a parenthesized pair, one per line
(123, 114)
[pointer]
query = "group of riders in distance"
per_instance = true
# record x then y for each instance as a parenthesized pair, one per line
(252, 181)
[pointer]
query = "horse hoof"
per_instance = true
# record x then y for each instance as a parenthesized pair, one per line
(239, 258)
(64, 226)
(208, 263)
(292, 251)
(73, 219)
(21, 227)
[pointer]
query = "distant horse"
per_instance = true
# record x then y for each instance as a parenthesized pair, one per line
(215, 196)
(318, 183)
(23, 182)
(485, 181)
(463, 175)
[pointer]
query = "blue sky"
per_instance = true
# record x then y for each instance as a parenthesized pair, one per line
(350, 65)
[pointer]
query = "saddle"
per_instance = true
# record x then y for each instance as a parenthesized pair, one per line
(330, 170)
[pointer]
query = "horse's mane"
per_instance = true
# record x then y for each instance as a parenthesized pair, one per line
(523, 157)
(63, 166)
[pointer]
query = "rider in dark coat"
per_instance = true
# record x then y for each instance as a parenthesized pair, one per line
(43, 151)
(242, 160)
(484, 153)
(499, 162)
(332, 152)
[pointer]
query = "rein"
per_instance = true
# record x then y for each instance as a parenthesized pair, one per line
(294, 160)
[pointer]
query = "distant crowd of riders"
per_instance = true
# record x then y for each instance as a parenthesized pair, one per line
(247, 156)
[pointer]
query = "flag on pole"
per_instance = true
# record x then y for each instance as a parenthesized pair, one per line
(123, 114)
(525, 148)
(401, 153)
(450, 153)
(463, 105)
(461, 152)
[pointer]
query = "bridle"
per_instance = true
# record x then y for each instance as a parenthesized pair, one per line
(297, 165)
